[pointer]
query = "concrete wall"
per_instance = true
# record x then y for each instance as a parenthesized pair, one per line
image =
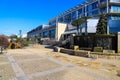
(60, 29)
(118, 42)
(91, 26)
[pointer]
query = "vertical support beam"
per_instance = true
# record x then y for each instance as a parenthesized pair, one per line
(107, 6)
(86, 19)
(99, 5)
(77, 16)
(118, 43)
(107, 16)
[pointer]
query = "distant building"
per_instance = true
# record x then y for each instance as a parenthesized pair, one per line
(51, 32)
(37, 31)
(89, 8)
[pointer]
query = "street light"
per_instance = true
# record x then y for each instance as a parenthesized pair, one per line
(20, 32)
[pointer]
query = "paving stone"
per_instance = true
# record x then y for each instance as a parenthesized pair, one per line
(22, 78)
(23, 57)
(6, 72)
(67, 74)
(3, 59)
(38, 66)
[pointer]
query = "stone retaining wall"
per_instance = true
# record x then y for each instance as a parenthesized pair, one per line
(67, 51)
(96, 56)
(82, 53)
(89, 54)
(118, 43)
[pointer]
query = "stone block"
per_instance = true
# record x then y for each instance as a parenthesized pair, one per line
(118, 43)
(57, 49)
(82, 53)
(109, 51)
(67, 51)
(76, 47)
(98, 49)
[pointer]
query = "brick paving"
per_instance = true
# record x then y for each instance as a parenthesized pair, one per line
(24, 57)
(6, 70)
(3, 59)
(67, 74)
(37, 64)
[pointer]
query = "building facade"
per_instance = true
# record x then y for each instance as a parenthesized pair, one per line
(38, 31)
(90, 8)
(93, 8)
(52, 32)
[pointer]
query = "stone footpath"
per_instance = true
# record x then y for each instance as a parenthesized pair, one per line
(37, 64)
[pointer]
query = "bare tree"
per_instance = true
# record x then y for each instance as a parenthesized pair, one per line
(3, 42)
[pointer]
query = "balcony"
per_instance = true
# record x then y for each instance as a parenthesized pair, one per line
(115, 3)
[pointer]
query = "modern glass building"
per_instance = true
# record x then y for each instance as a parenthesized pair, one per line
(93, 8)
(38, 31)
(58, 25)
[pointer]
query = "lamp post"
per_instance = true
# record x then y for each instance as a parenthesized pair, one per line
(20, 31)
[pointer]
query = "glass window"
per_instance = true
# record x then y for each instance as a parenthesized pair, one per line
(52, 33)
(94, 12)
(115, 9)
(114, 0)
(95, 5)
(45, 34)
(74, 15)
(40, 34)
(67, 18)
(103, 10)
(40, 27)
(52, 22)
(89, 14)
(89, 8)
(60, 19)
(80, 13)
(115, 17)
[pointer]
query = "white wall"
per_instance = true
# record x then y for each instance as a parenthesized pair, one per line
(60, 29)
(92, 23)
(118, 43)
(91, 26)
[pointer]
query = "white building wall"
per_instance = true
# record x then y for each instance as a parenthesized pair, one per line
(60, 29)
(91, 26)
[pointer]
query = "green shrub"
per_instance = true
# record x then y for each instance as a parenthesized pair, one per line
(98, 49)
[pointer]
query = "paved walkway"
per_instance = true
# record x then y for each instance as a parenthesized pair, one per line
(29, 64)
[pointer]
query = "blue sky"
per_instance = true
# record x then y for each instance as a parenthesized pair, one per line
(25, 15)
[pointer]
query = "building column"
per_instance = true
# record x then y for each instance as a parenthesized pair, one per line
(108, 17)
(86, 33)
(118, 43)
